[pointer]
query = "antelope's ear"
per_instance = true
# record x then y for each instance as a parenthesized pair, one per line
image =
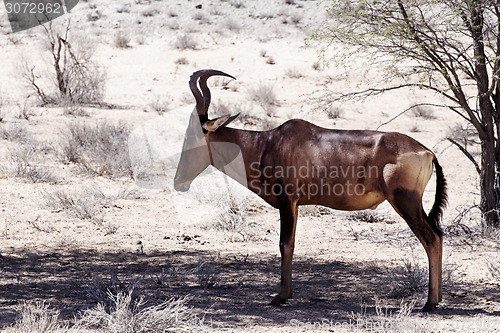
(214, 124)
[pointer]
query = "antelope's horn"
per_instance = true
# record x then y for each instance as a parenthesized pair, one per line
(203, 98)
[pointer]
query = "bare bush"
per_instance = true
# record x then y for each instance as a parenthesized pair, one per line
(389, 320)
(14, 131)
(334, 111)
(85, 203)
(27, 162)
(367, 216)
(264, 95)
(232, 25)
(294, 73)
(232, 218)
(270, 61)
(185, 42)
(161, 104)
(25, 110)
(72, 109)
(99, 289)
(77, 78)
(37, 317)
(422, 111)
(1, 106)
(237, 4)
(408, 278)
(315, 211)
(127, 317)
(122, 39)
(100, 149)
(494, 269)
(182, 61)
(208, 276)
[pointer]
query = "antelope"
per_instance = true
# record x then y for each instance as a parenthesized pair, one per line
(299, 163)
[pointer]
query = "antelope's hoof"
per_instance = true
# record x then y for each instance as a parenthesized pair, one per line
(278, 300)
(429, 307)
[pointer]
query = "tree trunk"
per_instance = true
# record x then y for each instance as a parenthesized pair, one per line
(489, 190)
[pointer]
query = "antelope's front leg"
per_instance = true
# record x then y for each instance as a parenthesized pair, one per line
(288, 217)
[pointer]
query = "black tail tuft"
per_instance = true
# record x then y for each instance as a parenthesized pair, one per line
(440, 201)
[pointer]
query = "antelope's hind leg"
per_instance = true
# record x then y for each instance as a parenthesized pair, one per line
(288, 224)
(409, 205)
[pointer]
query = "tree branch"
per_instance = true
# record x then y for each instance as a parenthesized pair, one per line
(467, 154)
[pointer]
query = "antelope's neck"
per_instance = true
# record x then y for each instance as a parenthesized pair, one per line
(237, 153)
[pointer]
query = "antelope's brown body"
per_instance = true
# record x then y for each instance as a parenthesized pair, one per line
(299, 163)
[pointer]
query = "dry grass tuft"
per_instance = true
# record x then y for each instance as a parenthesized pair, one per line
(367, 216)
(408, 278)
(27, 159)
(126, 316)
(388, 320)
(100, 149)
(265, 96)
(85, 203)
(37, 317)
(207, 274)
(185, 42)
(122, 39)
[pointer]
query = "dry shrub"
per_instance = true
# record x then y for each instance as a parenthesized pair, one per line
(367, 216)
(37, 317)
(387, 320)
(77, 78)
(422, 111)
(14, 131)
(85, 203)
(27, 160)
(207, 274)
(122, 39)
(161, 104)
(185, 42)
(232, 218)
(100, 149)
(126, 316)
(409, 278)
(264, 95)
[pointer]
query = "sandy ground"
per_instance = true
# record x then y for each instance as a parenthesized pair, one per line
(343, 265)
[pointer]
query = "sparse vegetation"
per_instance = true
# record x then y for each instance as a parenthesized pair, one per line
(207, 275)
(368, 216)
(27, 161)
(127, 316)
(37, 317)
(85, 203)
(408, 278)
(100, 149)
(122, 39)
(185, 42)
(422, 111)
(160, 105)
(334, 111)
(15, 131)
(78, 79)
(265, 96)
(388, 320)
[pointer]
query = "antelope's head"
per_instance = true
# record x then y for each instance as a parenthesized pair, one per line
(196, 155)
